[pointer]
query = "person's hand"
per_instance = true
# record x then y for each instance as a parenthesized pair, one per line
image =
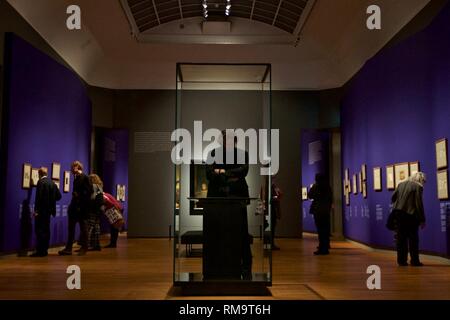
(222, 171)
(35, 214)
(422, 225)
(217, 171)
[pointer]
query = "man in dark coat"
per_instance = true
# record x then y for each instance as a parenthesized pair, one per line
(78, 209)
(47, 194)
(228, 180)
(408, 207)
(322, 198)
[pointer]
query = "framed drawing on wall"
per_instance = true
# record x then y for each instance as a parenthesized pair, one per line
(442, 184)
(66, 181)
(390, 177)
(364, 172)
(26, 176)
(304, 193)
(401, 172)
(364, 189)
(56, 170)
(34, 177)
(355, 185)
(441, 153)
(377, 184)
(347, 199)
(360, 182)
(118, 192)
(123, 197)
(414, 167)
(346, 175)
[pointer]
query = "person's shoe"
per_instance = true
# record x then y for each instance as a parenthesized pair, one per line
(417, 264)
(36, 254)
(274, 247)
(65, 252)
(110, 246)
(402, 264)
(321, 253)
(82, 252)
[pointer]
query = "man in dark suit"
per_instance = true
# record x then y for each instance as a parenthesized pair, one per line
(408, 205)
(78, 210)
(322, 197)
(228, 180)
(47, 193)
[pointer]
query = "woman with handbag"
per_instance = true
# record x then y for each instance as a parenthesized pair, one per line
(114, 213)
(95, 210)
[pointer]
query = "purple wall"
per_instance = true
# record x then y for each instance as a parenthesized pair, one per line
(114, 165)
(47, 119)
(396, 107)
(309, 169)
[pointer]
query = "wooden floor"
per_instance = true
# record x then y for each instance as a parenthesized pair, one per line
(142, 269)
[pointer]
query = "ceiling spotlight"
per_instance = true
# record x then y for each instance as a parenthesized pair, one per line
(205, 5)
(228, 6)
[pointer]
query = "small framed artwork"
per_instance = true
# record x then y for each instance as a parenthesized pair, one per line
(442, 184)
(56, 170)
(441, 154)
(346, 175)
(360, 182)
(364, 172)
(401, 172)
(34, 177)
(377, 184)
(304, 193)
(123, 197)
(414, 167)
(66, 181)
(118, 192)
(26, 176)
(355, 184)
(390, 177)
(364, 189)
(347, 199)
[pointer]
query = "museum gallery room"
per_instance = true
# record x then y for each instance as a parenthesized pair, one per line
(331, 118)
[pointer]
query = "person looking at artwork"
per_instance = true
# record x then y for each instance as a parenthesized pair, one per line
(78, 209)
(409, 212)
(47, 194)
(321, 195)
(112, 204)
(96, 208)
(228, 180)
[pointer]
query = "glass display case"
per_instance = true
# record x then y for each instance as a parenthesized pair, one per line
(210, 246)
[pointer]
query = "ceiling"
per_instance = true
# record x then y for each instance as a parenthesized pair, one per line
(331, 45)
(283, 14)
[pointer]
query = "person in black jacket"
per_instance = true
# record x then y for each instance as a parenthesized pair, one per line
(322, 197)
(228, 180)
(78, 209)
(47, 194)
(410, 214)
